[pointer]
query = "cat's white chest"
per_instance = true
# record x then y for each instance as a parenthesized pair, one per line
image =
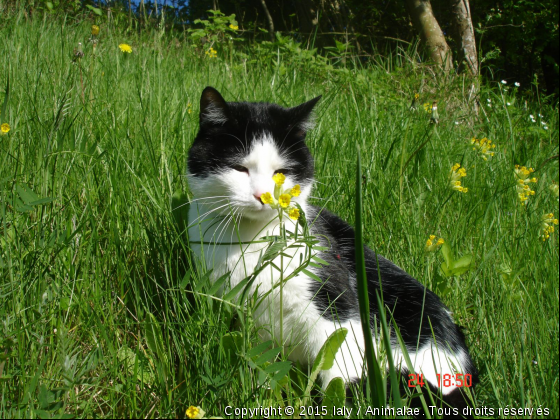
(237, 247)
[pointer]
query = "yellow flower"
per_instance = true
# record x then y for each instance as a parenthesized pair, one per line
(296, 191)
(234, 27)
(125, 48)
(94, 30)
(284, 200)
(456, 174)
(428, 107)
(483, 146)
(547, 225)
(4, 128)
(416, 95)
(267, 198)
(293, 213)
(212, 53)
(522, 187)
(279, 179)
(431, 246)
(195, 412)
(189, 108)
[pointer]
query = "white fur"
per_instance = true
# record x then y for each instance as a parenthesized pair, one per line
(226, 211)
(215, 115)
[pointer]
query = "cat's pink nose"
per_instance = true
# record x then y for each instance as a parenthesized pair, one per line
(258, 198)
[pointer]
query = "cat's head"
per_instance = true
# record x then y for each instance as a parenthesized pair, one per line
(240, 146)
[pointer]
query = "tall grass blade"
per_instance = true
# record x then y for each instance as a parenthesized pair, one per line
(375, 379)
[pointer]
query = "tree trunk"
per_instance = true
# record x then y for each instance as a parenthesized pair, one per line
(270, 21)
(463, 32)
(430, 32)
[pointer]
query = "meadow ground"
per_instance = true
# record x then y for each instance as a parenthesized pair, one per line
(101, 315)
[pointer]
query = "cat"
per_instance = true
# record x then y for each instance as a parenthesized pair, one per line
(239, 147)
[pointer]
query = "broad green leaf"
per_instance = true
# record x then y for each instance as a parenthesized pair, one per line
(325, 358)
(186, 280)
(95, 10)
(255, 351)
(217, 284)
(466, 261)
(335, 394)
(446, 270)
(268, 356)
(447, 254)
(26, 194)
(231, 344)
(233, 292)
(279, 370)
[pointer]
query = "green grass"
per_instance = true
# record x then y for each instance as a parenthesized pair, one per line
(100, 313)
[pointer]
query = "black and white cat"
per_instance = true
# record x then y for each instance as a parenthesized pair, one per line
(239, 148)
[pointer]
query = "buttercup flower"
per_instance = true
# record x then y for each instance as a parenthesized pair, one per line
(428, 107)
(212, 53)
(279, 179)
(483, 146)
(416, 95)
(94, 30)
(431, 246)
(125, 48)
(4, 128)
(195, 412)
(234, 27)
(547, 225)
(284, 200)
(293, 213)
(456, 174)
(267, 198)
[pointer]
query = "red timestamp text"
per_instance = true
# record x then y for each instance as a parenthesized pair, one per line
(446, 380)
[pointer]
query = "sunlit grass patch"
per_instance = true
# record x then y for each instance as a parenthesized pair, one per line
(102, 313)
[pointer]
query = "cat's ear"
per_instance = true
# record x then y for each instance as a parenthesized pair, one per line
(303, 114)
(214, 109)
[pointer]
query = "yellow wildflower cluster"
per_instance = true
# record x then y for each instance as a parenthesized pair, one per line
(234, 27)
(483, 146)
(212, 53)
(523, 190)
(428, 107)
(195, 412)
(547, 225)
(456, 174)
(4, 128)
(431, 246)
(125, 48)
(281, 198)
(94, 30)
(189, 108)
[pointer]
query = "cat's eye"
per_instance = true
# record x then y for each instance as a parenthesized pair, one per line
(240, 168)
(283, 171)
